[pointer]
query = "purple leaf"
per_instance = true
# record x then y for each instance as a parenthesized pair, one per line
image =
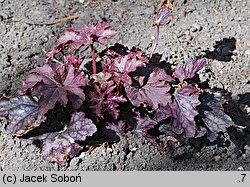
(212, 112)
(106, 96)
(80, 127)
(76, 38)
(201, 132)
(71, 60)
(57, 147)
(162, 17)
(122, 65)
(154, 93)
(141, 130)
(52, 52)
(22, 114)
(163, 113)
(99, 32)
(211, 136)
(55, 84)
(188, 70)
(119, 129)
(103, 79)
(184, 110)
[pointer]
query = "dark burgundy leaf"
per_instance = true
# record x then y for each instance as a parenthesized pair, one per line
(22, 114)
(52, 52)
(57, 147)
(73, 38)
(154, 93)
(163, 113)
(103, 80)
(141, 130)
(130, 62)
(183, 112)
(122, 65)
(119, 129)
(201, 132)
(106, 96)
(71, 60)
(76, 38)
(188, 70)
(101, 31)
(212, 112)
(55, 84)
(212, 136)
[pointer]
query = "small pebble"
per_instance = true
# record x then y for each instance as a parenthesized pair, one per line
(247, 52)
(134, 149)
(187, 32)
(217, 158)
(193, 29)
(248, 43)
(196, 27)
(240, 168)
(244, 156)
(233, 156)
(247, 148)
(109, 150)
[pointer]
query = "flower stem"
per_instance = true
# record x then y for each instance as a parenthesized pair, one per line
(93, 58)
(156, 40)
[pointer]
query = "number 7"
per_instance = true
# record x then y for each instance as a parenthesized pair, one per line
(244, 175)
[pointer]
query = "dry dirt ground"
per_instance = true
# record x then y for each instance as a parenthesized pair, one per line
(218, 30)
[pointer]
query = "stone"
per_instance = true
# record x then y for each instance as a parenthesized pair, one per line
(247, 52)
(196, 27)
(217, 158)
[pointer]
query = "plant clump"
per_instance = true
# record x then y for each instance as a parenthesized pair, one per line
(63, 107)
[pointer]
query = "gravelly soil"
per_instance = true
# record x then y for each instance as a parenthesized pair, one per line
(217, 30)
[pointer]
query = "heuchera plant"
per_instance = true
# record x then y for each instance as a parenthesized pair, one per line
(128, 94)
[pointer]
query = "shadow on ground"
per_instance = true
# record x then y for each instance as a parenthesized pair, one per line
(223, 50)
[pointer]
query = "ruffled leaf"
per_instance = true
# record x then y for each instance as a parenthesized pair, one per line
(141, 130)
(183, 111)
(154, 93)
(55, 84)
(119, 129)
(121, 65)
(188, 70)
(212, 112)
(59, 146)
(76, 38)
(184, 108)
(163, 113)
(71, 60)
(105, 97)
(98, 32)
(22, 114)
